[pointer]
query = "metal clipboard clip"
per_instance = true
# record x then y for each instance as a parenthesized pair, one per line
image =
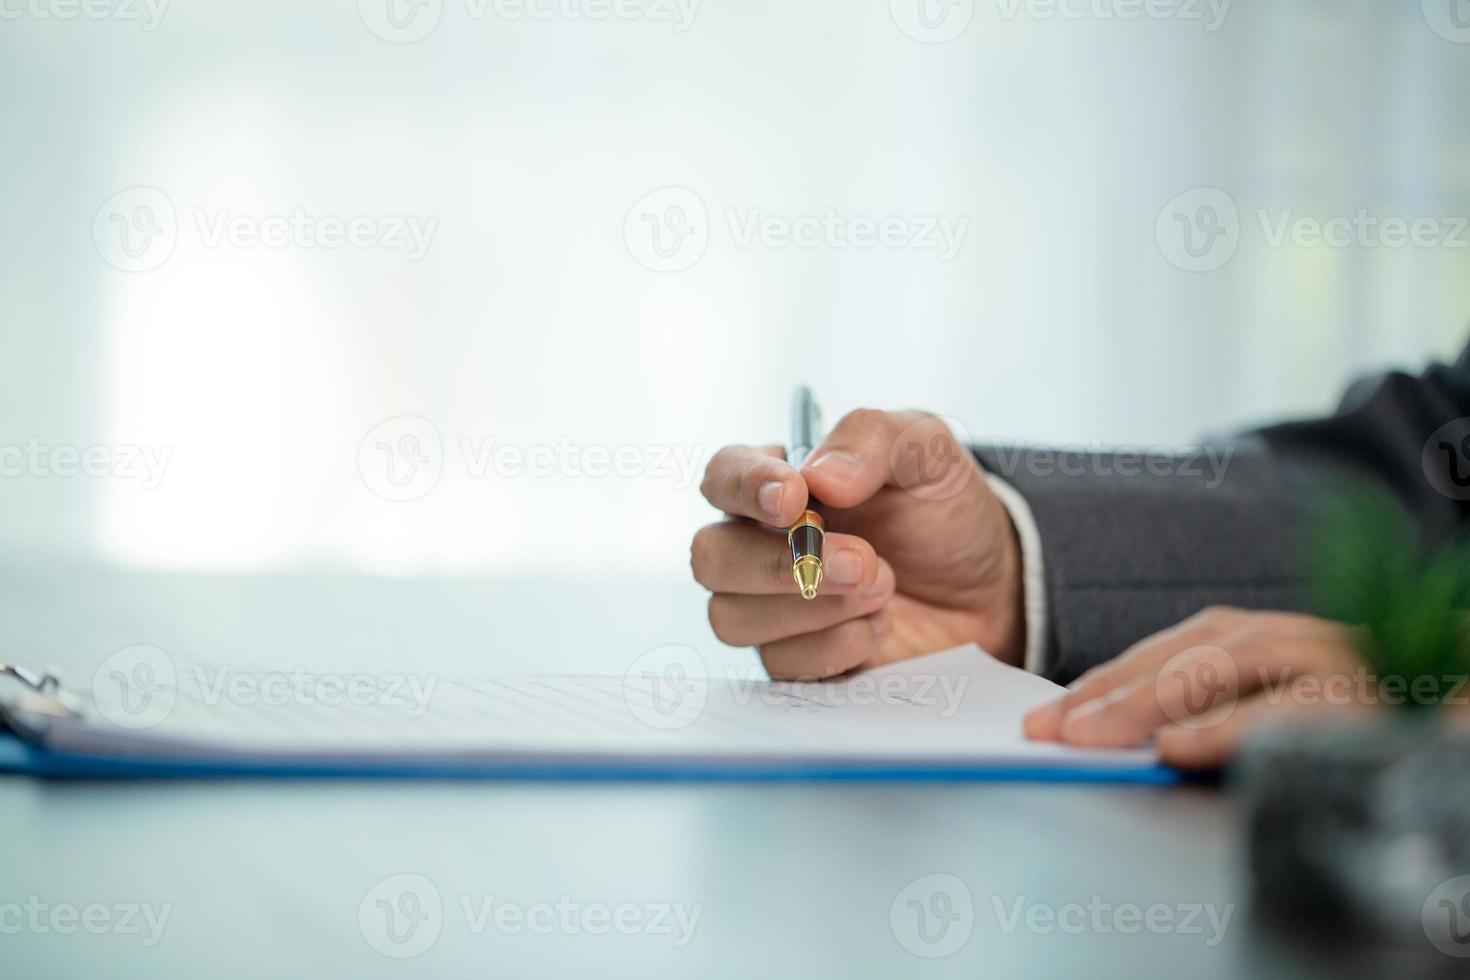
(24, 691)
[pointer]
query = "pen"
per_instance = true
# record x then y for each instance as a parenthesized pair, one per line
(805, 536)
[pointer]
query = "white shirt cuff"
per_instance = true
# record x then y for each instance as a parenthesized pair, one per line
(1033, 572)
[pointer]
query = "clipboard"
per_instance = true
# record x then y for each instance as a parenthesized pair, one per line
(779, 731)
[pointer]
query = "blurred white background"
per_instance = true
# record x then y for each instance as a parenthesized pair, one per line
(297, 285)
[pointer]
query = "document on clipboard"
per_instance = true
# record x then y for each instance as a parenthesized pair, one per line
(955, 714)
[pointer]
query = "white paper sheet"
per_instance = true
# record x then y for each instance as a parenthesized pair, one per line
(956, 708)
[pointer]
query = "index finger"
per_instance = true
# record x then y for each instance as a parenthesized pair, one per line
(755, 482)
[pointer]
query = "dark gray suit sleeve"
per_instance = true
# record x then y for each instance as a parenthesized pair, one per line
(1134, 542)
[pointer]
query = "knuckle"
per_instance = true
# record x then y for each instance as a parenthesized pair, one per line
(880, 601)
(1257, 642)
(723, 621)
(714, 471)
(1216, 616)
(774, 665)
(888, 586)
(722, 466)
(701, 554)
(865, 423)
(1283, 623)
(723, 456)
(926, 422)
(750, 477)
(801, 658)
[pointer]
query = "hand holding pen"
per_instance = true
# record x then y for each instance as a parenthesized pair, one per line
(903, 571)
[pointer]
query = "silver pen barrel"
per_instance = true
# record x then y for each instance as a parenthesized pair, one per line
(806, 426)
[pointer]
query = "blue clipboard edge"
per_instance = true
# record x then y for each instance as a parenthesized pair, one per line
(20, 758)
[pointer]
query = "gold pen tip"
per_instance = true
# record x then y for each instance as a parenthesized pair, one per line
(808, 574)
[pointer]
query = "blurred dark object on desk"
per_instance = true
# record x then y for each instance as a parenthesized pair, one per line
(1362, 835)
(1359, 831)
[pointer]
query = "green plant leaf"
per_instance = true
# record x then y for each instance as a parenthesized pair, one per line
(1368, 570)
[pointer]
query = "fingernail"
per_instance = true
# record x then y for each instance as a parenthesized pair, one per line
(835, 465)
(882, 621)
(845, 567)
(769, 497)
